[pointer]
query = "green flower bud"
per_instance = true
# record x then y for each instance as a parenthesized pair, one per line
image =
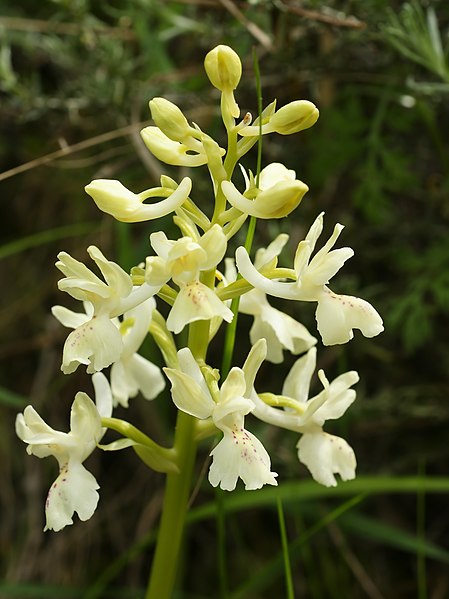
(276, 202)
(170, 119)
(294, 117)
(223, 67)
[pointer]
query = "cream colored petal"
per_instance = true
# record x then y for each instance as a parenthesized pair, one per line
(297, 382)
(85, 424)
(290, 334)
(326, 455)
(276, 202)
(169, 151)
(240, 455)
(195, 302)
(188, 395)
(267, 256)
(274, 173)
(339, 396)
(146, 375)
(119, 282)
(70, 319)
(338, 315)
(254, 278)
(96, 344)
(103, 395)
(75, 490)
(214, 243)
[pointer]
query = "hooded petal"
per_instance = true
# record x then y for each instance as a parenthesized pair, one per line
(115, 199)
(214, 243)
(188, 395)
(195, 302)
(190, 392)
(85, 424)
(275, 173)
(169, 151)
(275, 202)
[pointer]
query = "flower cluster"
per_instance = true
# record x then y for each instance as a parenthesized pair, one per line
(192, 275)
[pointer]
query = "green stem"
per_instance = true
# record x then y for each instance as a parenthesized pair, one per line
(174, 510)
(290, 593)
(177, 490)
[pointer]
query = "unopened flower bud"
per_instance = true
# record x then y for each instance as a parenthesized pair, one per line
(223, 67)
(170, 119)
(294, 117)
(275, 202)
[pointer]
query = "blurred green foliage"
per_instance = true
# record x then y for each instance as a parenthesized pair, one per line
(82, 72)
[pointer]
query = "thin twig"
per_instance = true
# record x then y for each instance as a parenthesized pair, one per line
(252, 28)
(70, 149)
(326, 15)
(354, 563)
(42, 26)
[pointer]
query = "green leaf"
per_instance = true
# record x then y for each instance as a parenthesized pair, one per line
(9, 398)
(43, 237)
(374, 530)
